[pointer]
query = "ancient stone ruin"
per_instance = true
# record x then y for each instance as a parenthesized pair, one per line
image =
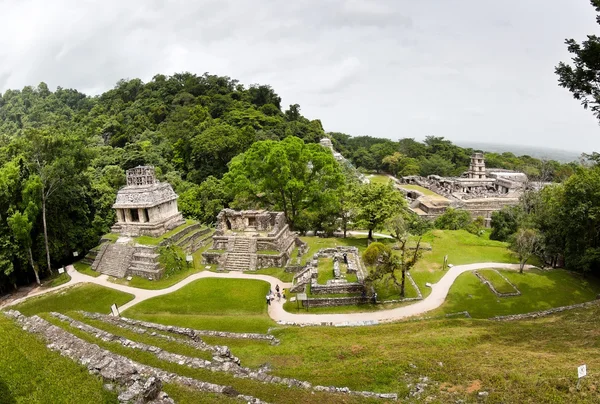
(146, 206)
(480, 191)
(251, 239)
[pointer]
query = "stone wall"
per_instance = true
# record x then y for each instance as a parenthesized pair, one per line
(336, 301)
(132, 376)
(213, 258)
(337, 288)
(543, 313)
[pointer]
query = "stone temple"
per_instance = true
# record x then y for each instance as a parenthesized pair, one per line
(146, 206)
(251, 239)
(480, 191)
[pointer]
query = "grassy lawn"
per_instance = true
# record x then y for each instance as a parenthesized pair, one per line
(56, 280)
(31, 373)
(86, 297)
(215, 304)
(540, 290)
(275, 272)
(379, 179)
(147, 240)
(424, 191)
(162, 283)
(461, 247)
(85, 269)
(325, 269)
(497, 281)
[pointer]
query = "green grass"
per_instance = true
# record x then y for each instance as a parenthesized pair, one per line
(497, 281)
(275, 272)
(379, 179)
(461, 247)
(56, 280)
(325, 269)
(111, 236)
(220, 304)
(540, 290)
(85, 269)
(86, 297)
(147, 240)
(424, 191)
(31, 373)
(269, 392)
(164, 282)
(170, 346)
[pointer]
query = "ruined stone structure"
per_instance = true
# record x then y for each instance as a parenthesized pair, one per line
(146, 206)
(326, 142)
(149, 208)
(251, 239)
(480, 191)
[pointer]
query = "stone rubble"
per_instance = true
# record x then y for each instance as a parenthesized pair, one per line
(226, 366)
(134, 376)
(196, 334)
(221, 353)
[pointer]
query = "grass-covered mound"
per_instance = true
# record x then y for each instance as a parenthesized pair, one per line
(211, 303)
(31, 373)
(88, 297)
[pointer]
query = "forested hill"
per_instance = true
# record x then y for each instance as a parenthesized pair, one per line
(64, 155)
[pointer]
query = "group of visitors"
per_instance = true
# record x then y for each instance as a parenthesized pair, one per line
(271, 296)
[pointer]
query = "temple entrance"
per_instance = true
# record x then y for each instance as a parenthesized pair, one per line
(146, 216)
(252, 222)
(228, 223)
(134, 215)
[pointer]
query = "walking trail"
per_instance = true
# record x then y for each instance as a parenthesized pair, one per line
(439, 291)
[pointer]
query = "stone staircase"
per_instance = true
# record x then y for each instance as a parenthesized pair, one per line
(144, 261)
(115, 259)
(239, 258)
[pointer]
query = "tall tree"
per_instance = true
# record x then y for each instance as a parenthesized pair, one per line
(376, 203)
(289, 175)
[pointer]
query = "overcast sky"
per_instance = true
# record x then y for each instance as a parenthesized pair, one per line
(462, 69)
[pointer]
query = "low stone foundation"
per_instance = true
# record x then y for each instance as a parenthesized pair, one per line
(335, 301)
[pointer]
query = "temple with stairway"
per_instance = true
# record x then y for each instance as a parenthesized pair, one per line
(251, 239)
(145, 207)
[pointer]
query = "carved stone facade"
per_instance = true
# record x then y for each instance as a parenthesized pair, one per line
(146, 206)
(250, 239)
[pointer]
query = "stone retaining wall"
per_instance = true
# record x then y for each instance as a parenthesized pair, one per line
(195, 334)
(135, 377)
(336, 301)
(483, 280)
(543, 313)
(350, 287)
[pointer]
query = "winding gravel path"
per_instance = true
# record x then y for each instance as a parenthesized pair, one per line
(436, 298)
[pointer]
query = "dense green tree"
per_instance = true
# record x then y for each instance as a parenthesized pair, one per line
(289, 175)
(506, 222)
(376, 204)
(453, 219)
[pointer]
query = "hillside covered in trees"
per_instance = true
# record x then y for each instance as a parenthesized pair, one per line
(219, 143)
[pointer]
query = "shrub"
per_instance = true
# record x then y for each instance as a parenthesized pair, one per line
(172, 258)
